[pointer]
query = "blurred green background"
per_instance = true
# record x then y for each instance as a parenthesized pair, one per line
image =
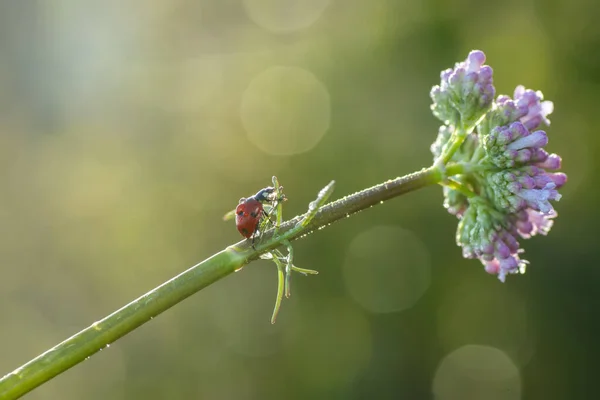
(127, 130)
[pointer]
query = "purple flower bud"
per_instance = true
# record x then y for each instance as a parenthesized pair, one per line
(465, 93)
(530, 222)
(502, 250)
(485, 74)
(522, 156)
(540, 181)
(475, 60)
(514, 187)
(539, 199)
(486, 234)
(445, 74)
(493, 267)
(505, 112)
(507, 146)
(511, 265)
(550, 161)
(539, 155)
(468, 80)
(527, 107)
(537, 110)
(526, 187)
(537, 139)
(522, 223)
(558, 178)
(528, 182)
(457, 77)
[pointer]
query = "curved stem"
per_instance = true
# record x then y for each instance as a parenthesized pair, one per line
(105, 331)
(455, 169)
(459, 187)
(456, 140)
(280, 288)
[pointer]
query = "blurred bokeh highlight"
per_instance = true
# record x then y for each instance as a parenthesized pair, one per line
(127, 130)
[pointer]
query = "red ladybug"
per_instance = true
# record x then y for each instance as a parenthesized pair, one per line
(247, 216)
(250, 211)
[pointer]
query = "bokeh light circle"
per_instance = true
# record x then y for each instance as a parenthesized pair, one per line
(476, 372)
(492, 314)
(281, 16)
(387, 269)
(285, 110)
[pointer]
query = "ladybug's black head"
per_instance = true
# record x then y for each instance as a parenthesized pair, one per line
(267, 195)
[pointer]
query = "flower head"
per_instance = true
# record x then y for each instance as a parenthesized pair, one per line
(507, 180)
(492, 236)
(526, 107)
(513, 144)
(485, 234)
(465, 93)
(517, 189)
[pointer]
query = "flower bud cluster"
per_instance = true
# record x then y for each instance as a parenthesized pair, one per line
(465, 93)
(509, 179)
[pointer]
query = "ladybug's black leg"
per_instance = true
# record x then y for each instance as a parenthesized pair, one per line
(255, 233)
(268, 216)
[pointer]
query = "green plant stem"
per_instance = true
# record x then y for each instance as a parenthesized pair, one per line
(459, 187)
(457, 169)
(107, 330)
(280, 288)
(456, 140)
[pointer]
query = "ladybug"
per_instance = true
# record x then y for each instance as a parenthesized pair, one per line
(250, 211)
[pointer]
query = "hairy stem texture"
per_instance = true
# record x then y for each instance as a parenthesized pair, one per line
(107, 330)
